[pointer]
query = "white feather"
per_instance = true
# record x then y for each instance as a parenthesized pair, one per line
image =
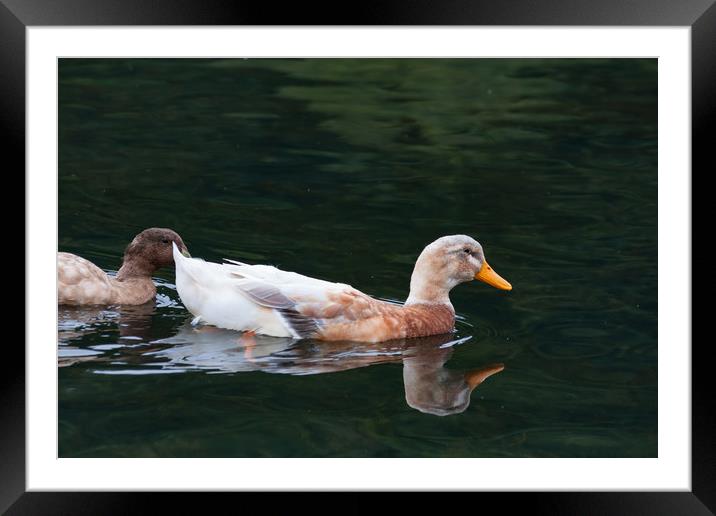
(229, 295)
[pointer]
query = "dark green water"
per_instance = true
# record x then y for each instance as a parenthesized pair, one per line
(344, 170)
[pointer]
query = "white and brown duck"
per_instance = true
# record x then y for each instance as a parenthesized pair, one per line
(269, 301)
(80, 282)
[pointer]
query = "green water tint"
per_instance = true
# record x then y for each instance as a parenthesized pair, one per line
(344, 170)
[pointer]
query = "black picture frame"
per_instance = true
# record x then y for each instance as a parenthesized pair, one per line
(16, 15)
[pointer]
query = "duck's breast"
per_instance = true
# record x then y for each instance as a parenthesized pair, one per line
(386, 321)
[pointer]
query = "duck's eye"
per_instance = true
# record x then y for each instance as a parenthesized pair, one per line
(466, 251)
(165, 241)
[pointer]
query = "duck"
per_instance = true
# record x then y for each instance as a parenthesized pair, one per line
(266, 300)
(81, 282)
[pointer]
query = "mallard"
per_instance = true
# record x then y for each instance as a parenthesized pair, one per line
(80, 282)
(269, 301)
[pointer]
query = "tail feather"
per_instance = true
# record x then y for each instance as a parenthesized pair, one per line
(185, 264)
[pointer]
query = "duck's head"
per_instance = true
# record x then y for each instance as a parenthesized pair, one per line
(447, 262)
(153, 248)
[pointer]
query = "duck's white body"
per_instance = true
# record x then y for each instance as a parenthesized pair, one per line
(243, 297)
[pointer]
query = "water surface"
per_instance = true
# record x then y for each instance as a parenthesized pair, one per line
(344, 170)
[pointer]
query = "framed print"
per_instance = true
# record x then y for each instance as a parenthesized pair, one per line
(556, 143)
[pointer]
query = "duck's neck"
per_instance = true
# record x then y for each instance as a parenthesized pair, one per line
(424, 288)
(135, 267)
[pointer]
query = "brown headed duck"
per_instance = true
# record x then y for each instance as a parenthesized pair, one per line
(80, 282)
(269, 301)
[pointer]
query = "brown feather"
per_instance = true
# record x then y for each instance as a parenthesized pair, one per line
(372, 320)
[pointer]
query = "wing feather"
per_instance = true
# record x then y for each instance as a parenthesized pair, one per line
(271, 296)
(306, 304)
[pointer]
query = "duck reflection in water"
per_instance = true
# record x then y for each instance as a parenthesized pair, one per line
(433, 389)
(429, 386)
(133, 323)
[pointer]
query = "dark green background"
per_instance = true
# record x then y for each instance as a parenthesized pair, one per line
(345, 170)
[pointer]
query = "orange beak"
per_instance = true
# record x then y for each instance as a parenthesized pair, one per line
(490, 277)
